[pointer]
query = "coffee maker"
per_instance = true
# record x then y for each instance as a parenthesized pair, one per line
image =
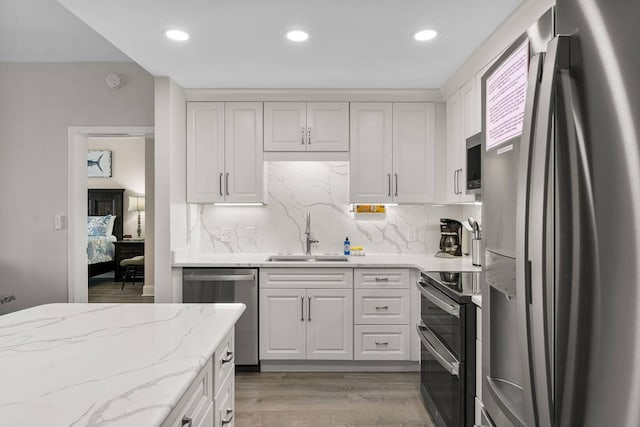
(450, 238)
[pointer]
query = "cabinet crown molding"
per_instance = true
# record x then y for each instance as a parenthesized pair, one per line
(317, 95)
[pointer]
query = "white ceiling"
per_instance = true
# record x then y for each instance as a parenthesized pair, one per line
(240, 43)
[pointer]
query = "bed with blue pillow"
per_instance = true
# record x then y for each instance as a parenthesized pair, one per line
(100, 238)
(104, 227)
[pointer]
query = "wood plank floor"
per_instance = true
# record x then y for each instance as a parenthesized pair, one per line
(106, 290)
(329, 399)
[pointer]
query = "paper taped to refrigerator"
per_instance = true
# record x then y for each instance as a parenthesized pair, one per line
(506, 92)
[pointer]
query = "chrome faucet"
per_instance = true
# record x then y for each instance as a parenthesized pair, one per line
(308, 234)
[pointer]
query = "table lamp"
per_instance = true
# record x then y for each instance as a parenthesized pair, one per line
(136, 203)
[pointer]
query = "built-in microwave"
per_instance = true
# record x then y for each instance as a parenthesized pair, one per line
(474, 164)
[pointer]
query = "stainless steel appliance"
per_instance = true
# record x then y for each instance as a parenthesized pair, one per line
(204, 285)
(474, 164)
(450, 238)
(447, 332)
(560, 296)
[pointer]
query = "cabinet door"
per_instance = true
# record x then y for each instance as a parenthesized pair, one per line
(469, 109)
(244, 175)
(282, 324)
(370, 165)
(330, 324)
(224, 404)
(285, 126)
(454, 135)
(413, 152)
(205, 152)
(327, 126)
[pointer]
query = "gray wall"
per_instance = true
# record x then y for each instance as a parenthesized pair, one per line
(38, 102)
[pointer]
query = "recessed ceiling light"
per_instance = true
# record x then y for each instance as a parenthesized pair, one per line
(424, 35)
(297, 35)
(177, 35)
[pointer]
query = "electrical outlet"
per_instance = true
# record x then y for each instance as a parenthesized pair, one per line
(225, 236)
(412, 234)
(250, 233)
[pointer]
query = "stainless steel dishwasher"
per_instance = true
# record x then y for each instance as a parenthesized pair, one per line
(204, 285)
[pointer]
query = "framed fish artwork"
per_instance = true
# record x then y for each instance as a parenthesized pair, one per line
(99, 164)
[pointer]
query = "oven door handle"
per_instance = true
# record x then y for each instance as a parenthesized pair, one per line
(452, 309)
(219, 277)
(452, 366)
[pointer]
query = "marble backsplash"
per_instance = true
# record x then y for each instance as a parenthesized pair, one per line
(321, 188)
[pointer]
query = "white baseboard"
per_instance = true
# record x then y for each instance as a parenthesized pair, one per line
(148, 290)
(338, 366)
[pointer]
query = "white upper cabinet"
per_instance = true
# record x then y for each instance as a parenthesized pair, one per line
(392, 157)
(413, 152)
(453, 147)
(285, 126)
(244, 176)
(205, 152)
(470, 109)
(224, 152)
(460, 119)
(327, 126)
(301, 126)
(371, 163)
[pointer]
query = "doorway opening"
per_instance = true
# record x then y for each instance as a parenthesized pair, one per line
(110, 189)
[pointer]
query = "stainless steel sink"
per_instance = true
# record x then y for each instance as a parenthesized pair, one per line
(308, 258)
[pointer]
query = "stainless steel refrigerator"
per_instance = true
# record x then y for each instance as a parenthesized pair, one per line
(561, 213)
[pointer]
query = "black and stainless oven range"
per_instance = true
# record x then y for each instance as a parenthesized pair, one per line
(448, 359)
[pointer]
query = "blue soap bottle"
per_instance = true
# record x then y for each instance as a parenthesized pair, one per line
(347, 246)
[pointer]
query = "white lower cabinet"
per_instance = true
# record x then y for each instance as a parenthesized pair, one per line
(381, 306)
(381, 342)
(382, 314)
(329, 324)
(282, 324)
(198, 407)
(224, 402)
(306, 314)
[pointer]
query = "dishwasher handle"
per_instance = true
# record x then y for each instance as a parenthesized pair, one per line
(218, 277)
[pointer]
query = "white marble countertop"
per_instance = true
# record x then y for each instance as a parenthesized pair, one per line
(104, 364)
(424, 262)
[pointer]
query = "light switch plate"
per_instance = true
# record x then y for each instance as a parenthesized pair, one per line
(412, 234)
(58, 222)
(225, 235)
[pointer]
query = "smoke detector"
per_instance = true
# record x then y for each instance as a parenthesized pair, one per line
(113, 81)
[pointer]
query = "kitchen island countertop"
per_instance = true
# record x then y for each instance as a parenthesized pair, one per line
(104, 364)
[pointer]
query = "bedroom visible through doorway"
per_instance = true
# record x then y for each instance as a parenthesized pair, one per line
(116, 219)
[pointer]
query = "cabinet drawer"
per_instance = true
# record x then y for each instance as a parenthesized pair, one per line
(197, 401)
(325, 278)
(381, 306)
(381, 278)
(224, 408)
(381, 342)
(223, 360)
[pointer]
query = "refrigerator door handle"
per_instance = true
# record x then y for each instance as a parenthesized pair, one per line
(540, 263)
(523, 282)
(582, 243)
